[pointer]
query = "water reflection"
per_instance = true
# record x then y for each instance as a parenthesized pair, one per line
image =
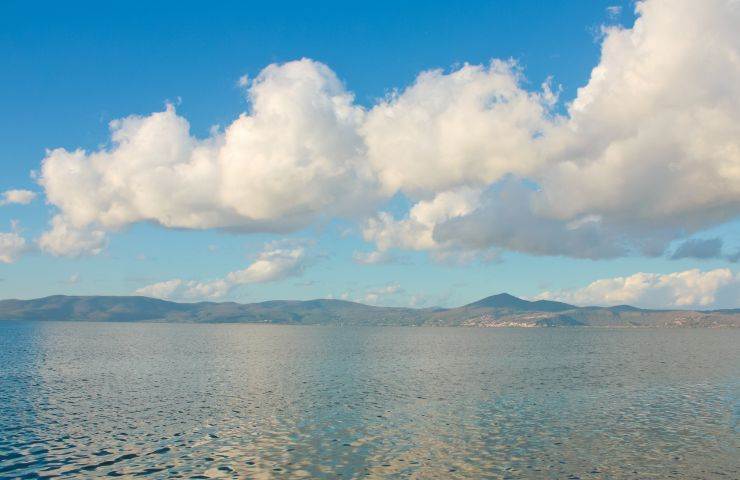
(224, 401)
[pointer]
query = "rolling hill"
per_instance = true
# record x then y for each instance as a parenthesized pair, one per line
(502, 310)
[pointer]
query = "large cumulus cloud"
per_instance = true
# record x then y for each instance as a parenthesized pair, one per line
(468, 127)
(647, 152)
(295, 157)
(654, 134)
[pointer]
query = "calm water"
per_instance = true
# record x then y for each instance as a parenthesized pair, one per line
(205, 401)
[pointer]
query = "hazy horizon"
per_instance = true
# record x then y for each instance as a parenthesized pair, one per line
(499, 294)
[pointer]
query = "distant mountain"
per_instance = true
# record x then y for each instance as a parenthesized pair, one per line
(502, 310)
(504, 300)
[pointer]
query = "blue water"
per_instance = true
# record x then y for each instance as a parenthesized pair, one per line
(83, 400)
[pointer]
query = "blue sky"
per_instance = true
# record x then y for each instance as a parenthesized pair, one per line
(69, 70)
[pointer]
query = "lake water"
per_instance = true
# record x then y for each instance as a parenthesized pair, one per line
(260, 401)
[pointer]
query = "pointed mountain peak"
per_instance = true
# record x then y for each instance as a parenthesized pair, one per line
(501, 300)
(507, 301)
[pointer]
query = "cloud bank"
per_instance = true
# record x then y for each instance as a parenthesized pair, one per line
(648, 152)
(687, 289)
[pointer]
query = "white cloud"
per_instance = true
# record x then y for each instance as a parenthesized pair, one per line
(653, 136)
(687, 289)
(12, 245)
(277, 261)
(72, 279)
(392, 294)
(426, 300)
(647, 153)
(468, 127)
(64, 239)
(295, 158)
(385, 294)
(613, 11)
(21, 197)
(274, 263)
(164, 289)
(461, 257)
(376, 257)
(504, 219)
(416, 231)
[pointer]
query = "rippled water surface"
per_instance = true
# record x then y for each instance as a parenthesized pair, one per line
(204, 401)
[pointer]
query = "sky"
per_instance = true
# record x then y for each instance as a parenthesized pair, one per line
(378, 152)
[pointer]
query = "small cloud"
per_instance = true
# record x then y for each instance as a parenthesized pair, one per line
(12, 244)
(467, 257)
(613, 11)
(385, 294)
(375, 257)
(278, 260)
(346, 232)
(212, 248)
(422, 300)
(20, 197)
(72, 280)
(164, 289)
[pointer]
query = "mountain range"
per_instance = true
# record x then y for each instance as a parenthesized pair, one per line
(502, 310)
